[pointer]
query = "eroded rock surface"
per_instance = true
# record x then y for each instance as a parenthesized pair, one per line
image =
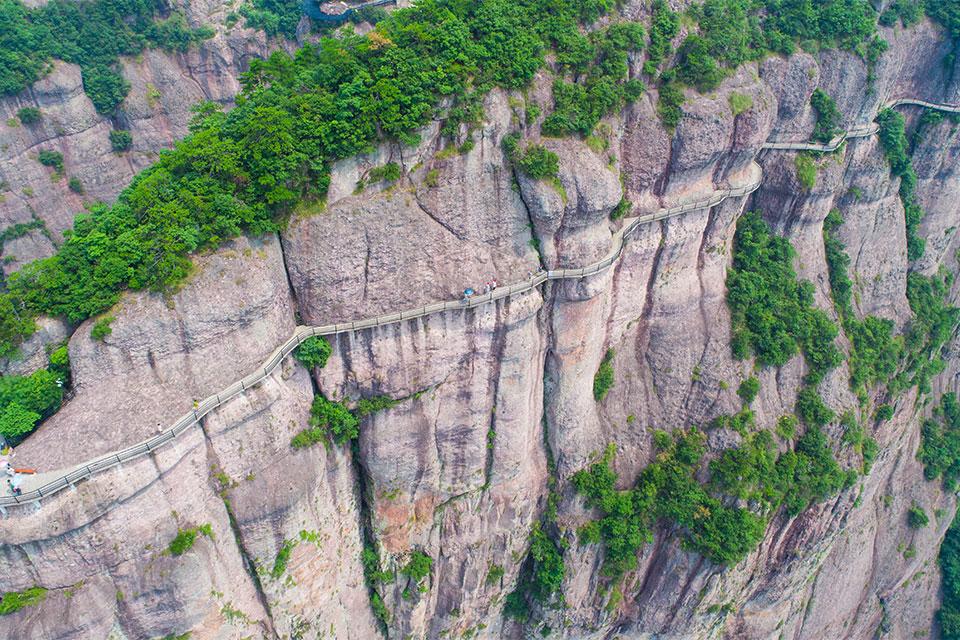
(495, 406)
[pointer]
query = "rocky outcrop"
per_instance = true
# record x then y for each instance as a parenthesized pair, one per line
(495, 407)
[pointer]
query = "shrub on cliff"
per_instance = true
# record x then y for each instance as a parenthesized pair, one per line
(418, 567)
(603, 379)
(13, 601)
(772, 312)
(313, 352)
(917, 517)
(29, 115)
(25, 400)
(828, 116)
(185, 538)
(749, 389)
(120, 140)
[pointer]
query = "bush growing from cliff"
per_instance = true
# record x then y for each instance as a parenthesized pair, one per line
(946, 12)
(418, 567)
(313, 352)
(896, 147)
(578, 107)
(668, 490)
(806, 171)
(389, 172)
(13, 601)
(53, 159)
(940, 443)
(828, 116)
(25, 400)
(749, 389)
(671, 98)
(772, 312)
(875, 353)
(185, 538)
(740, 103)
(917, 517)
(120, 140)
(664, 26)
(101, 328)
(949, 557)
(603, 378)
(537, 161)
(29, 115)
(274, 17)
(283, 557)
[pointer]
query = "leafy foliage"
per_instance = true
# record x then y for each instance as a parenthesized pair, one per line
(313, 352)
(53, 159)
(671, 98)
(90, 33)
(806, 170)
(274, 17)
(947, 13)
(667, 489)
(731, 32)
(949, 613)
(749, 389)
(245, 171)
(186, 538)
(940, 443)
(328, 420)
(26, 400)
(101, 328)
(828, 116)
(664, 26)
(740, 103)
(772, 312)
(29, 115)
(601, 89)
(603, 379)
(389, 172)
(283, 557)
(931, 326)
(418, 567)
(120, 140)
(916, 517)
(548, 567)
(893, 139)
(13, 601)
(535, 160)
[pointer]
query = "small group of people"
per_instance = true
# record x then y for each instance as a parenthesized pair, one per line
(487, 288)
(14, 479)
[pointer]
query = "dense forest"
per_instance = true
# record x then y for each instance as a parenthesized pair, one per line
(90, 33)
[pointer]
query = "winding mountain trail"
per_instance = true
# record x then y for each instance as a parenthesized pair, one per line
(38, 486)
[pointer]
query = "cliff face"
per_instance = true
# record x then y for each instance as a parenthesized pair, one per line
(497, 405)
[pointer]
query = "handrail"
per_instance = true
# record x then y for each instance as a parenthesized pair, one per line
(301, 333)
(860, 131)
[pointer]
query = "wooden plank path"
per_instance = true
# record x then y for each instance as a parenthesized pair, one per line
(46, 484)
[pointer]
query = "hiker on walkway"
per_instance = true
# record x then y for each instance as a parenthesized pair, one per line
(466, 295)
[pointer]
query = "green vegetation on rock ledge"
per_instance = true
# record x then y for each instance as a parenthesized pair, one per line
(13, 601)
(603, 379)
(25, 400)
(313, 352)
(246, 170)
(186, 538)
(90, 33)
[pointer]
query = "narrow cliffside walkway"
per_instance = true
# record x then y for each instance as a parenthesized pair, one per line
(41, 485)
